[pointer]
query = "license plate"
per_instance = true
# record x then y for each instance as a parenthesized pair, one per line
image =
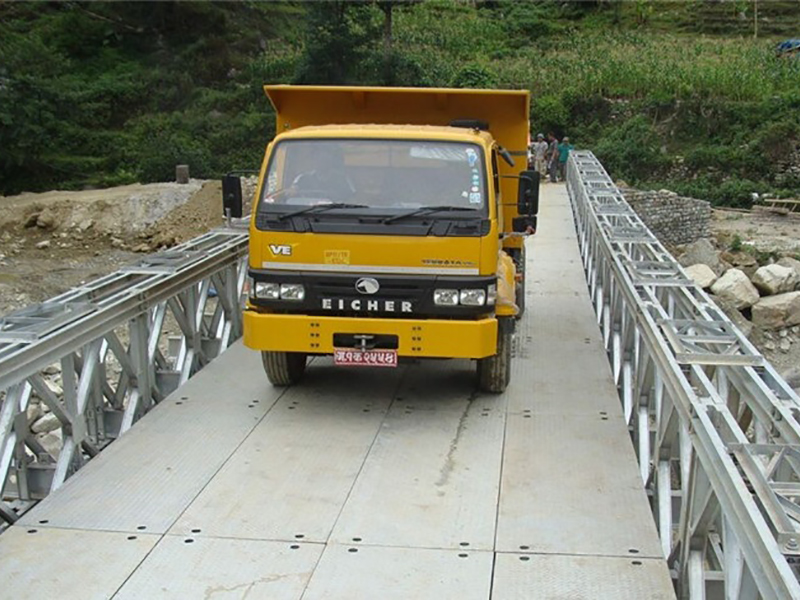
(364, 358)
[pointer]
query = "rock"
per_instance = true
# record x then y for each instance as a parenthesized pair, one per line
(33, 412)
(53, 369)
(783, 333)
(769, 345)
(46, 424)
(55, 387)
(701, 252)
(785, 345)
(46, 219)
(741, 260)
(775, 312)
(43, 244)
(51, 442)
(735, 287)
(31, 220)
(86, 225)
(775, 279)
(792, 376)
(745, 326)
(702, 275)
(792, 263)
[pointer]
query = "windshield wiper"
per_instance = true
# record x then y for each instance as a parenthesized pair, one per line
(426, 209)
(319, 208)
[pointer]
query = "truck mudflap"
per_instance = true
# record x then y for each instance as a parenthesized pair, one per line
(431, 338)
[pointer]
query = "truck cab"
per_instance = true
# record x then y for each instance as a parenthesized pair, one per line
(388, 224)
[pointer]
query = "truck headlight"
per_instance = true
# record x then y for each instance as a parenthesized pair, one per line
(445, 297)
(266, 291)
(292, 291)
(491, 294)
(473, 297)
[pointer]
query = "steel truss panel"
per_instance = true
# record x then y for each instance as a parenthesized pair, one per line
(203, 567)
(44, 562)
(715, 428)
(108, 340)
(145, 481)
(526, 576)
(349, 572)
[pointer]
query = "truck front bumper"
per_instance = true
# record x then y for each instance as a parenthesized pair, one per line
(416, 337)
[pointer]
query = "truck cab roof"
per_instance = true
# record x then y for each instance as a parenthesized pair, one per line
(380, 131)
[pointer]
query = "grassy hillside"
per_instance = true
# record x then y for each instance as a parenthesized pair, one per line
(667, 94)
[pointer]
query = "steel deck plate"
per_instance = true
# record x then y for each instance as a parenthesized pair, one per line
(217, 568)
(296, 469)
(145, 480)
(400, 574)
(523, 577)
(432, 476)
(68, 564)
(571, 486)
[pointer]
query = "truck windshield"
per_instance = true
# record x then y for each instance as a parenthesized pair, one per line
(397, 175)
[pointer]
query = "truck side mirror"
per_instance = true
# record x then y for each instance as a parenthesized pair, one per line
(528, 193)
(232, 196)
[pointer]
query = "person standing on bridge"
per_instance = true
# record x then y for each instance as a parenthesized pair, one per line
(563, 154)
(552, 156)
(539, 156)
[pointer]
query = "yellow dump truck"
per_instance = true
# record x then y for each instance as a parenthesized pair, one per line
(388, 224)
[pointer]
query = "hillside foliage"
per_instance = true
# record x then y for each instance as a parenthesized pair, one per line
(677, 95)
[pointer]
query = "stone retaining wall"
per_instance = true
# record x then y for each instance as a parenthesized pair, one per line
(672, 218)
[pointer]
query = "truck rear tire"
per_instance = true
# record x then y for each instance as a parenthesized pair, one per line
(284, 368)
(494, 372)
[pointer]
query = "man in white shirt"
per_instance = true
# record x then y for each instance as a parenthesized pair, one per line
(539, 148)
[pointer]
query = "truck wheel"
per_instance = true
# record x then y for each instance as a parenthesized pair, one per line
(284, 368)
(494, 372)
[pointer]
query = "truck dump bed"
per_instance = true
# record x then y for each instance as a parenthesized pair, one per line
(506, 112)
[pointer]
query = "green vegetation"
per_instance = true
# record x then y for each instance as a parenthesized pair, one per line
(676, 95)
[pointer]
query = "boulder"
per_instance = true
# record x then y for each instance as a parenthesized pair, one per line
(51, 442)
(792, 376)
(33, 412)
(775, 279)
(46, 424)
(702, 275)
(792, 263)
(735, 287)
(701, 252)
(775, 312)
(740, 260)
(47, 219)
(745, 326)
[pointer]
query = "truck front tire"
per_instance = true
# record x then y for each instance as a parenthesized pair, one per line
(284, 368)
(494, 372)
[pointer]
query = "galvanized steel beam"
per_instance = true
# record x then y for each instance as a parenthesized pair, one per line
(109, 340)
(715, 428)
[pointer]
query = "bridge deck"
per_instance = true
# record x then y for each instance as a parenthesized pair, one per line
(369, 484)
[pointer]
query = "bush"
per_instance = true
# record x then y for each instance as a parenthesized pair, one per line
(632, 151)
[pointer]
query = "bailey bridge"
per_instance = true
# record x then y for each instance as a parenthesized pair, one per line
(643, 450)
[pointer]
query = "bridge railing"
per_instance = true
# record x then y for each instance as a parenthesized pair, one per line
(121, 343)
(715, 428)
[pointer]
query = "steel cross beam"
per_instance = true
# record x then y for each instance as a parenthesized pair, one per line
(121, 343)
(716, 430)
